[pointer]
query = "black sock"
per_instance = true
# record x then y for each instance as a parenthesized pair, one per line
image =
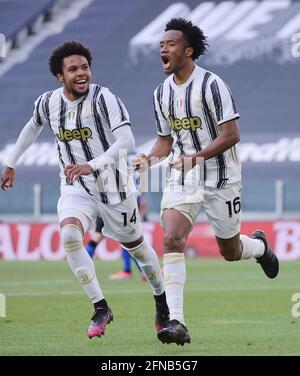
(161, 300)
(101, 304)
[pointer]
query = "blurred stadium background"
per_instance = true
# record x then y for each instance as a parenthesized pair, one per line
(255, 47)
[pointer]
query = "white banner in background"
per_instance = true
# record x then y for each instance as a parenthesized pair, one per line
(42, 241)
(282, 150)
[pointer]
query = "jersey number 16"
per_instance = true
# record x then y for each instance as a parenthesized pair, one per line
(234, 206)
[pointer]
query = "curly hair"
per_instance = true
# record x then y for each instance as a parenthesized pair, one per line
(66, 49)
(193, 35)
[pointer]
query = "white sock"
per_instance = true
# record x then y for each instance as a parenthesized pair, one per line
(251, 247)
(148, 261)
(80, 262)
(175, 277)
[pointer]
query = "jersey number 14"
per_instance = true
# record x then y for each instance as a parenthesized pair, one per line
(132, 219)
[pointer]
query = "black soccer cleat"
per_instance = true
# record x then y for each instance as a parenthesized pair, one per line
(101, 318)
(268, 261)
(175, 332)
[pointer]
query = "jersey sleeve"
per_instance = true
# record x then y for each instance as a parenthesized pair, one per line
(220, 101)
(113, 110)
(162, 124)
(39, 117)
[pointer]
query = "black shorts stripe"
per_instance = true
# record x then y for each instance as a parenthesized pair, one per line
(120, 186)
(99, 224)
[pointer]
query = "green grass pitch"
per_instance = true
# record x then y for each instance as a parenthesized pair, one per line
(230, 309)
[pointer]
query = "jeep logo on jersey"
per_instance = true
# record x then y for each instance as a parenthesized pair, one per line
(76, 134)
(192, 123)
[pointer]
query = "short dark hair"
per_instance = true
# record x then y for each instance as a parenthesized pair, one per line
(193, 35)
(66, 49)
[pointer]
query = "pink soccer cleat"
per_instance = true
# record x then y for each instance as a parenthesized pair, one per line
(101, 318)
(120, 275)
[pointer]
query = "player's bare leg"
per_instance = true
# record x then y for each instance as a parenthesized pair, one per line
(242, 247)
(84, 270)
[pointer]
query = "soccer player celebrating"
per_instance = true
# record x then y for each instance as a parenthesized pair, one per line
(90, 125)
(197, 120)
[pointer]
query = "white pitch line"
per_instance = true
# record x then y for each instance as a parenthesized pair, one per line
(67, 281)
(139, 291)
(35, 282)
(39, 293)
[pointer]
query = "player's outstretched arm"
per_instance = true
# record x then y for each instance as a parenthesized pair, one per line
(8, 178)
(160, 150)
(26, 138)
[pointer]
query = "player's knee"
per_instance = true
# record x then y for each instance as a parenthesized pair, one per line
(72, 238)
(139, 252)
(173, 243)
(84, 275)
(230, 255)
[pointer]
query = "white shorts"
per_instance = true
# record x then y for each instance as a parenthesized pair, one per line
(121, 221)
(222, 207)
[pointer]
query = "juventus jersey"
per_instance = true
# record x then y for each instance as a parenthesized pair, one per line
(191, 113)
(83, 130)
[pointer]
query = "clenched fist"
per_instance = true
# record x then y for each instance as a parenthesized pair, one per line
(140, 163)
(73, 172)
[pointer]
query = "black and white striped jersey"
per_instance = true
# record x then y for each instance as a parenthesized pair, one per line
(191, 113)
(83, 130)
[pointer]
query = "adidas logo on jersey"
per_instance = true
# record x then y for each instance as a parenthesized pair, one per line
(192, 123)
(76, 134)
